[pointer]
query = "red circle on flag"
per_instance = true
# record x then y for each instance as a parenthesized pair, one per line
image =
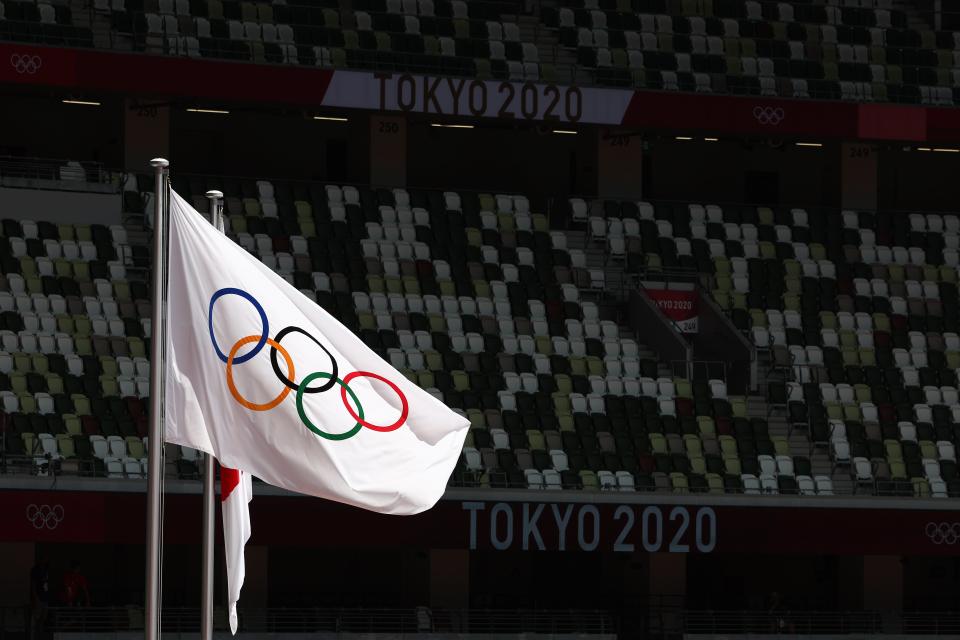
(405, 408)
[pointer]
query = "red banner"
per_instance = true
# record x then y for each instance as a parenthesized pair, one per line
(679, 306)
(226, 82)
(602, 523)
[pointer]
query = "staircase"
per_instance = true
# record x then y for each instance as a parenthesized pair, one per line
(552, 53)
(86, 16)
(799, 439)
(613, 277)
(141, 237)
(914, 19)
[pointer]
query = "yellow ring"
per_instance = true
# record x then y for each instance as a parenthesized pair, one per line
(233, 388)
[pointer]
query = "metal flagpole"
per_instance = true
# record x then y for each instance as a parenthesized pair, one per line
(155, 467)
(209, 478)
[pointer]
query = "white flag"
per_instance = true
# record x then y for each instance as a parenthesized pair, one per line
(265, 380)
(236, 492)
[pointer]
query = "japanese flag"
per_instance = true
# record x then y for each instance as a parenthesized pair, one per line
(236, 492)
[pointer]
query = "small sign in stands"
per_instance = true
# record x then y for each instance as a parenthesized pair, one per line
(678, 301)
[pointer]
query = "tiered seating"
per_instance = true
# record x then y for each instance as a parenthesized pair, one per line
(73, 344)
(860, 325)
(446, 36)
(475, 298)
(47, 21)
(471, 32)
(857, 51)
(260, 32)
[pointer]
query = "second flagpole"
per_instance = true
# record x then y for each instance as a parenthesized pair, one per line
(209, 479)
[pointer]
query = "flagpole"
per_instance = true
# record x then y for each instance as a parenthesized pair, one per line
(209, 478)
(155, 460)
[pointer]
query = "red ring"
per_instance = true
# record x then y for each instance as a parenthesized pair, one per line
(403, 400)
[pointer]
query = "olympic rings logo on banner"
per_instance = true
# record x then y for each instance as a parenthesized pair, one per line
(45, 516)
(769, 115)
(943, 532)
(25, 63)
(330, 379)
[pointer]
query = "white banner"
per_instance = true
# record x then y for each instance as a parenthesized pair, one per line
(473, 98)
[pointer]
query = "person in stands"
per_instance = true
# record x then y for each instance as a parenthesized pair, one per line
(76, 589)
(39, 596)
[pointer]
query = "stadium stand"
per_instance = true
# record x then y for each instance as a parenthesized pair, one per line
(856, 325)
(471, 295)
(851, 50)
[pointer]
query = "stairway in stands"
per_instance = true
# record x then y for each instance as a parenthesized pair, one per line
(800, 444)
(618, 286)
(552, 53)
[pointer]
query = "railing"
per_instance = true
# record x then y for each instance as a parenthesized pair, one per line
(51, 471)
(933, 623)
(781, 622)
(57, 170)
(306, 620)
(699, 369)
(657, 615)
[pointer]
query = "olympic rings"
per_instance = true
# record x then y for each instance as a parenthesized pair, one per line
(290, 383)
(288, 379)
(26, 63)
(403, 401)
(345, 389)
(45, 516)
(769, 115)
(263, 319)
(943, 533)
(233, 389)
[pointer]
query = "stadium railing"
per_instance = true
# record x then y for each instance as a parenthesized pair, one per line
(24, 172)
(298, 620)
(803, 622)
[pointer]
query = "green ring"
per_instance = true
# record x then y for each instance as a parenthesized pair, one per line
(303, 414)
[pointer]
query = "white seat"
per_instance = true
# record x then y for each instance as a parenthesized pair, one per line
(938, 488)
(785, 466)
(500, 439)
(767, 465)
(841, 451)
(768, 484)
(559, 459)
(99, 446)
(824, 485)
(535, 479)
(607, 481)
(114, 467)
(625, 481)
(551, 480)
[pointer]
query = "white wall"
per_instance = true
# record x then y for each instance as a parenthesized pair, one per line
(74, 207)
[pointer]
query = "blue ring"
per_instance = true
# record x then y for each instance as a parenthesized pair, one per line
(263, 319)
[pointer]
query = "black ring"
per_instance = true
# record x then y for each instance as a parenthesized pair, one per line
(290, 383)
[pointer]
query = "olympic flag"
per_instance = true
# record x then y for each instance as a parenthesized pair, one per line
(262, 378)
